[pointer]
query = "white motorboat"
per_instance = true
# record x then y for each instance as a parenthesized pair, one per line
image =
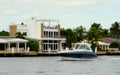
(79, 51)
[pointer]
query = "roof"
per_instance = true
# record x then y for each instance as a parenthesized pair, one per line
(3, 41)
(103, 43)
(110, 40)
(17, 40)
(14, 40)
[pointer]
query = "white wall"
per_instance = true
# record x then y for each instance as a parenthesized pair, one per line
(22, 28)
(34, 29)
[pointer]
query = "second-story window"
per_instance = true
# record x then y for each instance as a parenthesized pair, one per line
(46, 34)
(50, 34)
(55, 34)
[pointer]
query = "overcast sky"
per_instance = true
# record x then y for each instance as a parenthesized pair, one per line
(70, 13)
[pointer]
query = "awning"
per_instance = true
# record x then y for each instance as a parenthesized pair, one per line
(103, 43)
(17, 40)
(3, 41)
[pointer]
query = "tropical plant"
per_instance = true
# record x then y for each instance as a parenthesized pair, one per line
(33, 44)
(115, 30)
(20, 35)
(105, 32)
(63, 32)
(80, 31)
(70, 35)
(95, 32)
(114, 45)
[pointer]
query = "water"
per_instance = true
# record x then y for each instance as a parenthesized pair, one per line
(103, 65)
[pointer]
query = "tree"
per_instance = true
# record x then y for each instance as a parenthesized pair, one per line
(20, 35)
(63, 32)
(115, 30)
(114, 45)
(80, 31)
(34, 45)
(95, 32)
(70, 35)
(4, 33)
(105, 32)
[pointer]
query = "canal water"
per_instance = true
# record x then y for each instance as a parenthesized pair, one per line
(103, 65)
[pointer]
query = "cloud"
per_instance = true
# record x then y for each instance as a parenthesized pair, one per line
(31, 14)
(9, 12)
(79, 3)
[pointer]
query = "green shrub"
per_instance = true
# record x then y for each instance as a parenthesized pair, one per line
(34, 45)
(114, 45)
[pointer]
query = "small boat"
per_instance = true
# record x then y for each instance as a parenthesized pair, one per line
(80, 51)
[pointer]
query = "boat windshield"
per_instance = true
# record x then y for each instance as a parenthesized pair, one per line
(82, 46)
(77, 46)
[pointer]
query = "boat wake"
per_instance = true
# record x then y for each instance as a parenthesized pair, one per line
(109, 58)
(76, 59)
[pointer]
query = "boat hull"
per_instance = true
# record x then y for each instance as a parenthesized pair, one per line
(79, 55)
(76, 59)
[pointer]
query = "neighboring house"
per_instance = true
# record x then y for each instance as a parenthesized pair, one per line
(103, 46)
(111, 40)
(46, 31)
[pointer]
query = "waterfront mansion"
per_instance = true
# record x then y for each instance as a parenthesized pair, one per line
(46, 31)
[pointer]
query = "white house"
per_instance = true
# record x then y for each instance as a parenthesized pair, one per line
(46, 31)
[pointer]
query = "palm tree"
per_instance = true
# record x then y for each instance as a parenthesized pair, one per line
(20, 35)
(115, 30)
(80, 32)
(105, 32)
(95, 32)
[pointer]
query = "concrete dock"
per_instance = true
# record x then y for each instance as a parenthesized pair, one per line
(6, 53)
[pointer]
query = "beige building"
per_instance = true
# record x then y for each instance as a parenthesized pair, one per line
(46, 31)
(103, 46)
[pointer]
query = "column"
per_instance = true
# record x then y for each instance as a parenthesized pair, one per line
(105, 47)
(108, 47)
(58, 47)
(18, 46)
(39, 46)
(9, 46)
(42, 30)
(5, 46)
(25, 46)
(102, 47)
(42, 45)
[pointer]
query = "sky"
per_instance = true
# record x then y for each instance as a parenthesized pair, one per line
(70, 13)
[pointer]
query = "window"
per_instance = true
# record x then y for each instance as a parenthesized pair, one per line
(45, 41)
(46, 34)
(49, 34)
(55, 41)
(55, 34)
(50, 41)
